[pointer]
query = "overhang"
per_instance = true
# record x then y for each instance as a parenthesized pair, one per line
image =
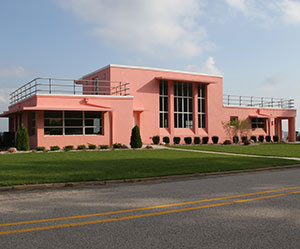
(186, 80)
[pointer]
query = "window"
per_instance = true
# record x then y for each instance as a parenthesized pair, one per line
(201, 106)
(96, 86)
(233, 118)
(33, 123)
(183, 105)
(73, 123)
(163, 104)
(258, 123)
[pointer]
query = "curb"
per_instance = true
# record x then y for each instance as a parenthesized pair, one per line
(142, 180)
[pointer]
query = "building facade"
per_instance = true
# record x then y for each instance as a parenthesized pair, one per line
(103, 106)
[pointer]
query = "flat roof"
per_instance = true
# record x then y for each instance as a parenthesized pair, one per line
(150, 68)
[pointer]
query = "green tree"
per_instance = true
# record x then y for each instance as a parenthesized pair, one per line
(22, 139)
(135, 139)
(237, 127)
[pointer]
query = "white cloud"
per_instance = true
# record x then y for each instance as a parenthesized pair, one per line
(156, 27)
(209, 67)
(290, 11)
(237, 4)
(13, 72)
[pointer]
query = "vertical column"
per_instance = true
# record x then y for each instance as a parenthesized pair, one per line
(272, 127)
(171, 107)
(292, 129)
(279, 129)
(195, 108)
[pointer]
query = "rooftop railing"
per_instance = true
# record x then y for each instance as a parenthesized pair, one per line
(69, 87)
(262, 102)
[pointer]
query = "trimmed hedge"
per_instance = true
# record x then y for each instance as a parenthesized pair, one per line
(261, 138)
(205, 140)
(40, 148)
(166, 140)
(81, 147)
(215, 139)
(254, 138)
(103, 147)
(92, 146)
(176, 140)
(54, 148)
(135, 139)
(68, 147)
(244, 138)
(268, 138)
(188, 140)
(197, 140)
(227, 142)
(22, 139)
(235, 139)
(275, 139)
(155, 139)
(117, 146)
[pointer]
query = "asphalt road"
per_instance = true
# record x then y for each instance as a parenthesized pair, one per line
(253, 210)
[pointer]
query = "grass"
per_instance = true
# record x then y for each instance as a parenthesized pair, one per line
(50, 167)
(278, 149)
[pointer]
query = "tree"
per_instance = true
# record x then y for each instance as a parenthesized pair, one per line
(22, 139)
(135, 139)
(236, 127)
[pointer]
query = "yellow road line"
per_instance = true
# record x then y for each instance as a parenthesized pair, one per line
(144, 208)
(144, 215)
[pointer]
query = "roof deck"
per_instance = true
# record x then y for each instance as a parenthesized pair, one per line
(258, 102)
(69, 87)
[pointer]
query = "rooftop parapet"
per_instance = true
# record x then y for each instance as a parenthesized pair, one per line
(258, 102)
(69, 87)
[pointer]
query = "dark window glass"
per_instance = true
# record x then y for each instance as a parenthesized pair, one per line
(93, 131)
(92, 114)
(53, 114)
(53, 131)
(73, 114)
(73, 131)
(73, 122)
(52, 122)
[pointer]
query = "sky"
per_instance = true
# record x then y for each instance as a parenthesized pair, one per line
(254, 44)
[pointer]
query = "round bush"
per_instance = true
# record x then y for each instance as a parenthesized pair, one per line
(176, 140)
(244, 138)
(254, 138)
(197, 140)
(235, 139)
(166, 140)
(227, 142)
(205, 140)
(188, 140)
(275, 139)
(268, 139)
(246, 142)
(215, 139)
(155, 139)
(261, 138)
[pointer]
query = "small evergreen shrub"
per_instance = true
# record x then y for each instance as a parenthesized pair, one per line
(254, 138)
(124, 146)
(155, 139)
(197, 140)
(135, 139)
(268, 139)
(166, 140)
(22, 139)
(188, 140)
(244, 138)
(117, 146)
(235, 139)
(227, 142)
(40, 148)
(275, 139)
(68, 147)
(246, 142)
(81, 147)
(92, 146)
(205, 140)
(54, 148)
(176, 140)
(215, 139)
(103, 147)
(261, 138)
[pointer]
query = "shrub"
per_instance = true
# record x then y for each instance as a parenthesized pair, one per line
(22, 139)
(227, 142)
(254, 138)
(92, 146)
(166, 140)
(197, 140)
(135, 139)
(68, 147)
(246, 142)
(176, 140)
(124, 146)
(244, 138)
(205, 140)
(275, 139)
(155, 139)
(40, 148)
(268, 139)
(215, 139)
(235, 139)
(261, 138)
(188, 140)
(81, 147)
(103, 147)
(117, 146)
(54, 148)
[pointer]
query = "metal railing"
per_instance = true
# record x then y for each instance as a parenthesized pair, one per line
(250, 101)
(69, 87)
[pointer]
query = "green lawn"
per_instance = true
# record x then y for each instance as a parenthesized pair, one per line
(284, 150)
(103, 165)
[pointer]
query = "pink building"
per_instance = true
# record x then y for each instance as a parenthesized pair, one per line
(103, 106)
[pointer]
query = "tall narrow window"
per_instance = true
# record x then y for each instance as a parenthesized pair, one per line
(33, 123)
(201, 106)
(163, 104)
(96, 86)
(183, 105)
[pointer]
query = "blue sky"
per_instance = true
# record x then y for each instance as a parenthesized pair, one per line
(254, 44)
